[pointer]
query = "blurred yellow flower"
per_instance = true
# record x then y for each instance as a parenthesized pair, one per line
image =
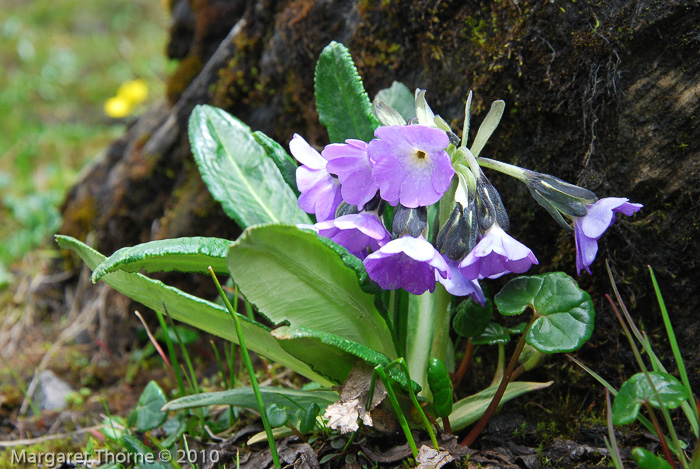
(129, 95)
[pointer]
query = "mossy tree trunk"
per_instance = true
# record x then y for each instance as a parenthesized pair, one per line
(603, 94)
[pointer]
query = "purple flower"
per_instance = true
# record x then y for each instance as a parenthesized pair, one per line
(457, 285)
(410, 165)
(496, 254)
(408, 263)
(320, 192)
(589, 228)
(355, 232)
(350, 162)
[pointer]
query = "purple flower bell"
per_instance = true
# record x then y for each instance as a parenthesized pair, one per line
(589, 228)
(456, 284)
(496, 254)
(320, 192)
(410, 165)
(407, 262)
(355, 232)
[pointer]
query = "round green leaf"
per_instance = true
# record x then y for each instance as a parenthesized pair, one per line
(276, 415)
(637, 390)
(492, 335)
(517, 295)
(645, 459)
(148, 409)
(564, 313)
(471, 318)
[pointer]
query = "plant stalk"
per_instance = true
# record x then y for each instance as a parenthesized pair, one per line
(464, 364)
(479, 427)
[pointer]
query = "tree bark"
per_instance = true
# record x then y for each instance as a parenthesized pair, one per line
(603, 94)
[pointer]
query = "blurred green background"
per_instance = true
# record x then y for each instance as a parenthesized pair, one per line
(60, 60)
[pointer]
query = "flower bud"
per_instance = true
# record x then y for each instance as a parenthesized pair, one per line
(559, 197)
(459, 235)
(490, 207)
(346, 209)
(410, 221)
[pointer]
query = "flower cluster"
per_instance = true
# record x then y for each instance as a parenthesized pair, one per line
(410, 170)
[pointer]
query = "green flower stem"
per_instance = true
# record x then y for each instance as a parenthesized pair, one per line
(441, 334)
(505, 168)
(500, 365)
(251, 372)
(474, 433)
(379, 371)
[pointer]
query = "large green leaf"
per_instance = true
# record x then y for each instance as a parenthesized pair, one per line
(470, 409)
(191, 310)
(293, 277)
(238, 172)
(564, 313)
(244, 397)
(341, 99)
(637, 390)
(332, 356)
(179, 254)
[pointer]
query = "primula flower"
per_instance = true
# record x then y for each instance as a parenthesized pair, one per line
(350, 162)
(410, 165)
(407, 262)
(457, 285)
(589, 228)
(496, 254)
(320, 192)
(355, 232)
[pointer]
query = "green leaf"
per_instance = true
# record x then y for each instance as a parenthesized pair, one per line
(645, 459)
(285, 163)
(293, 277)
(276, 415)
(470, 409)
(333, 356)
(471, 319)
(399, 97)
(493, 334)
(245, 397)
(179, 254)
(148, 413)
(191, 310)
(342, 102)
(308, 418)
(637, 390)
(564, 313)
(237, 171)
(135, 446)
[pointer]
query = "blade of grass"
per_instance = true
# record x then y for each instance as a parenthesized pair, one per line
(612, 447)
(676, 352)
(195, 385)
(646, 344)
(171, 352)
(251, 372)
(379, 371)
